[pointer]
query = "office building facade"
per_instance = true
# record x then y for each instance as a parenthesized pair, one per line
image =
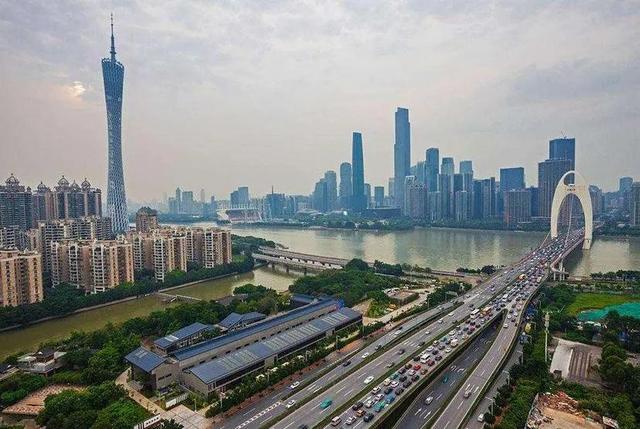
(346, 185)
(358, 199)
(401, 153)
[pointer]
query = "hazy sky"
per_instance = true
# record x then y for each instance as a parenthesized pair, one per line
(225, 93)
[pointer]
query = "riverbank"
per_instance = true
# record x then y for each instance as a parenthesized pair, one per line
(119, 301)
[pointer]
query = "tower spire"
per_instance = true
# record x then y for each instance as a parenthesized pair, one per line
(113, 43)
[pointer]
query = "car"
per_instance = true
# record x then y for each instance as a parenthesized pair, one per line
(481, 417)
(428, 333)
(506, 325)
(368, 379)
(467, 393)
(394, 384)
(415, 377)
(402, 370)
(445, 379)
(421, 343)
(431, 362)
(438, 357)
(379, 396)
(428, 400)
(416, 358)
(387, 381)
(429, 349)
(368, 417)
(390, 364)
(401, 351)
(448, 350)
(440, 321)
(406, 384)
(379, 406)
(394, 375)
(361, 412)
(423, 371)
(369, 403)
(326, 403)
(375, 390)
(346, 363)
(365, 355)
(408, 366)
(399, 391)
(403, 378)
(291, 403)
(336, 421)
(390, 399)
(388, 390)
(294, 385)
(379, 346)
(411, 373)
(350, 420)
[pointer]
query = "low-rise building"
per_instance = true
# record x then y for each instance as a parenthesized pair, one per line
(276, 337)
(44, 361)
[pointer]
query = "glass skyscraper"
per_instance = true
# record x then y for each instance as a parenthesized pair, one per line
(113, 76)
(432, 168)
(359, 202)
(401, 154)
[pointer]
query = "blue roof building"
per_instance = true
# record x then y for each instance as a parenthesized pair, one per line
(236, 321)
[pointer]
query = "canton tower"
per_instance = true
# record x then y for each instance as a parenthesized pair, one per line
(113, 76)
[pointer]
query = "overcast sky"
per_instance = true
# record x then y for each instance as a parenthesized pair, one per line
(260, 93)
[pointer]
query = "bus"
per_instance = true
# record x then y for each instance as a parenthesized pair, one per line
(487, 310)
(474, 313)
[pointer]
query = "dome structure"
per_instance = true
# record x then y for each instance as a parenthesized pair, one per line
(85, 184)
(63, 182)
(12, 181)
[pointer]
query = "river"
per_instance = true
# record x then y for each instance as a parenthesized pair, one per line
(445, 249)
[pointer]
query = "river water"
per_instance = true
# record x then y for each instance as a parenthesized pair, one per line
(445, 249)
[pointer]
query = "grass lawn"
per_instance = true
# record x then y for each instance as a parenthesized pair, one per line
(590, 301)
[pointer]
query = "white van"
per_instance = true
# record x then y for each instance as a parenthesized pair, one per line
(336, 421)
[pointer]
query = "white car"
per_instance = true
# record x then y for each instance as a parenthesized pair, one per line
(294, 385)
(481, 418)
(428, 400)
(387, 381)
(369, 403)
(506, 325)
(368, 379)
(365, 355)
(394, 384)
(375, 390)
(291, 403)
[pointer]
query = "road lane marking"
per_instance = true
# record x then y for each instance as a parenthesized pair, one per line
(417, 412)
(428, 414)
(341, 389)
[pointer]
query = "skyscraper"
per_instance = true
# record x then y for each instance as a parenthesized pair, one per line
(432, 168)
(466, 167)
(359, 202)
(510, 178)
(401, 153)
(635, 203)
(448, 167)
(378, 196)
(549, 174)
(563, 148)
(332, 189)
(113, 77)
(346, 186)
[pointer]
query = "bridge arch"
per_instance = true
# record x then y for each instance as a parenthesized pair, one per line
(580, 189)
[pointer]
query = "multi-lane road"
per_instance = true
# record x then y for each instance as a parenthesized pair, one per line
(462, 402)
(345, 384)
(420, 413)
(350, 386)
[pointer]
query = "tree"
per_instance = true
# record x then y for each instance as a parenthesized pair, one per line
(357, 265)
(170, 424)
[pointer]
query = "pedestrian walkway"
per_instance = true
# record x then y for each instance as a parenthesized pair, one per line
(143, 401)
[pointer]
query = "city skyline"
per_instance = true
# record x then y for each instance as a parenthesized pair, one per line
(69, 87)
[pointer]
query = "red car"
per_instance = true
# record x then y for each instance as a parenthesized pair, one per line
(416, 367)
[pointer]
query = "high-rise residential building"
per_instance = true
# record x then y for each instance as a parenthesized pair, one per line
(401, 153)
(359, 202)
(166, 249)
(466, 167)
(448, 167)
(332, 189)
(517, 206)
(44, 204)
(113, 77)
(635, 203)
(346, 185)
(20, 277)
(320, 198)
(16, 204)
(624, 193)
(432, 168)
(463, 205)
(378, 196)
(563, 148)
(92, 265)
(549, 174)
(72, 201)
(88, 228)
(146, 219)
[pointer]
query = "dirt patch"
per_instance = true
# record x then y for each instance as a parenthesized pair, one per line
(34, 402)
